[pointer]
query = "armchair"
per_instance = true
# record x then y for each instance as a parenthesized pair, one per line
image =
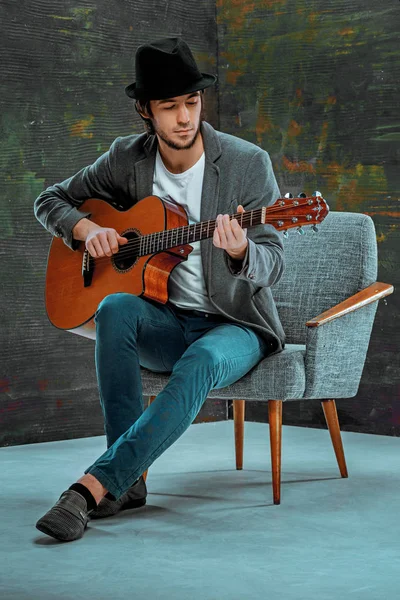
(332, 275)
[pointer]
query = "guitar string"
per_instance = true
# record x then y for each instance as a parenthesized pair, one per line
(129, 249)
(103, 260)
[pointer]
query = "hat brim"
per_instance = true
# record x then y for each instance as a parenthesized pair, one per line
(142, 94)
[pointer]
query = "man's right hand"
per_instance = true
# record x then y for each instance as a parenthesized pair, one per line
(99, 241)
(104, 241)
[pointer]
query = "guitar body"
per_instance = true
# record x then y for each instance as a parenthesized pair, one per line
(71, 305)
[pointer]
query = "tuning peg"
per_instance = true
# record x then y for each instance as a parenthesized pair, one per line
(314, 228)
(288, 195)
(302, 195)
(285, 234)
(315, 194)
(300, 230)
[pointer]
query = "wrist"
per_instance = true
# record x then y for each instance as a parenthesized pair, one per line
(81, 229)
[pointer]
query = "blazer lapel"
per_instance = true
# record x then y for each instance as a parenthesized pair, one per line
(209, 196)
(144, 170)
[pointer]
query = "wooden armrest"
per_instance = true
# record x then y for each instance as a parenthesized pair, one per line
(370, 294)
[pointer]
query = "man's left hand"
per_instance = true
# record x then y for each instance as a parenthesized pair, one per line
(230, 236)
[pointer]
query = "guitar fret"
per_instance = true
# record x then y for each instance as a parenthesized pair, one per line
(191, 233)
(279, 215)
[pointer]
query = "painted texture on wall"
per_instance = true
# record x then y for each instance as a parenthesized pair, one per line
(313, 84)
(316, 85)
(64, 66)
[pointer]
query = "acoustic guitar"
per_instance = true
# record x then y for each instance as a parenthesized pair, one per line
(159, 239)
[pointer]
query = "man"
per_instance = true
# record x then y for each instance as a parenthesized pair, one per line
(220, 319)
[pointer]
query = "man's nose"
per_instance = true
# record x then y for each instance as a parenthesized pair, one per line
(183, 114)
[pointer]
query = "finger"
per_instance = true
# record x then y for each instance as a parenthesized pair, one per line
(234, 231)
(221, 232)
(216, 239)
(227, 228)
(95, 248)
(90, 249)
(112, 241)
(104, 243)
(122, 240)
(237, 231)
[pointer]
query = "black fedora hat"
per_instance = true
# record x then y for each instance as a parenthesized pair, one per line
(164, 69)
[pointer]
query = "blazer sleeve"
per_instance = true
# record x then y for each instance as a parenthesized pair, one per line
(263, 264)
(56, 208)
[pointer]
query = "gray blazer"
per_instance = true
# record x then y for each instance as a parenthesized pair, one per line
(236, 172)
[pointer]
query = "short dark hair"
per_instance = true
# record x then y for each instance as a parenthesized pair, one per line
(144, 107)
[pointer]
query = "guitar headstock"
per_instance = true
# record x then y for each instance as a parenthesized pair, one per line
(289, 212)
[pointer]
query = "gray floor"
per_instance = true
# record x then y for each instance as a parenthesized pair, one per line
(209, 531)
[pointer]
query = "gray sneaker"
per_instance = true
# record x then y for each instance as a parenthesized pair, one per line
(68, 518)
(133, 498)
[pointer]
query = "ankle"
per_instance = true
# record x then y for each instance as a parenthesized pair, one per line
(83, 491)
(94, 486)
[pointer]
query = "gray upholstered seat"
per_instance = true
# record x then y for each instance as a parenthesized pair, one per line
(280, 376)
(323, 358)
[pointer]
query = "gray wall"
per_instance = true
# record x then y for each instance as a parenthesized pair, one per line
(316, 85)
(66, 65)
(313, 85)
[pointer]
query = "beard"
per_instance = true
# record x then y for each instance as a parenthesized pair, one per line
(176, 145)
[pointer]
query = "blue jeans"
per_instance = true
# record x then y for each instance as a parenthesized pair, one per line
(201, 351)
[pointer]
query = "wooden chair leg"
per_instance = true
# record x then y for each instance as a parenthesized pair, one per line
(331, 417)
(151, 399)
(238, 417)
(275, 437)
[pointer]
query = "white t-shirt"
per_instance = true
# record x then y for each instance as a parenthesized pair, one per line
(186, 287)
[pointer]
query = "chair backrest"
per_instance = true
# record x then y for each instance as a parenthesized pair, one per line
(324, 268)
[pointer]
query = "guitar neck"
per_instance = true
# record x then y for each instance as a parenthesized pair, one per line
(170, 238)
(284, 214)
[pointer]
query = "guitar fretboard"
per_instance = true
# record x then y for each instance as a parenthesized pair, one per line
(169, 238)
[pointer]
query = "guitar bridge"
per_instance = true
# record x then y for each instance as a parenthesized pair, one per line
(87, 268)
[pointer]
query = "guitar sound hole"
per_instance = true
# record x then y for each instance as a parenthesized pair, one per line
(128, 253)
